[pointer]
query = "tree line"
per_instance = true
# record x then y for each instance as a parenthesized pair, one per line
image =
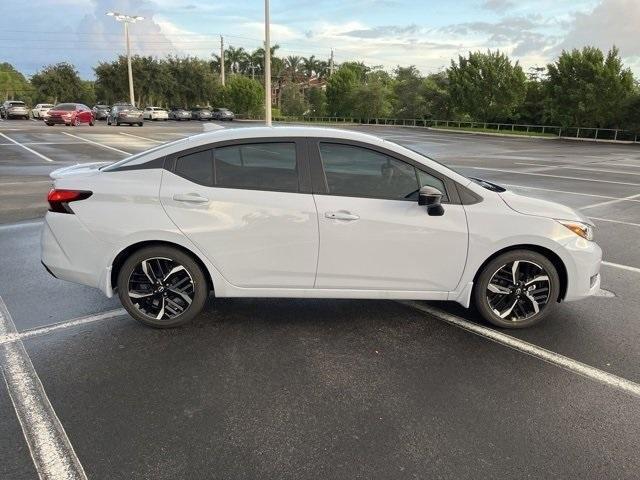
(581, 88)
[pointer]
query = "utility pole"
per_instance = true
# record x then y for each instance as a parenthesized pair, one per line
(267, 66)
(222, 59)
(127, 19)
(331, 64)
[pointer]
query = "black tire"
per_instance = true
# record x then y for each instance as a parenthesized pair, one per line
(117, 124)
(140, 124)
(523, 296)
(49, 124)
(108, 122)
(131, 268)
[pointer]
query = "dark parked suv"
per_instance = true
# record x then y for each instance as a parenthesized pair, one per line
(14, 109)
(125, 113)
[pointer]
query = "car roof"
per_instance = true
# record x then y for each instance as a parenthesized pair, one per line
(247, 133)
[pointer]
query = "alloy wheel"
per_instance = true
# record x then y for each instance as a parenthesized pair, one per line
(518, 290)
(161, 288)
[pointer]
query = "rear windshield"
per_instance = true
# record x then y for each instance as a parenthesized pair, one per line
(65, 106)
(102, 107)
(46, 105)
(19, 104)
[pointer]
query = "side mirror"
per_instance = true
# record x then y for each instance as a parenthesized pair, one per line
(431, 197)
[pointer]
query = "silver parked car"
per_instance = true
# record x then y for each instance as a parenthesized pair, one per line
(14, 109)
(223, 114)
(200, 113)
(120, 114)
(179, 114)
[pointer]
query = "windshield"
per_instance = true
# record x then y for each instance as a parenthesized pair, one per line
(65, 106)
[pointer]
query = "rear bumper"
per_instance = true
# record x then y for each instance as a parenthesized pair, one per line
(129, 119)
(70, 252)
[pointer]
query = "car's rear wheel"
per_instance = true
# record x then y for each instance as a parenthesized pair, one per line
(162, 287)
(517, 289)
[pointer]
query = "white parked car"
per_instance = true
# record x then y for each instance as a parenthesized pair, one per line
(309, 212)
(41, 110)
(155, 113)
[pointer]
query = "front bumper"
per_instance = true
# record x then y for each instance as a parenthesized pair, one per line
(583, 269)
(60, 120)
(129, 119)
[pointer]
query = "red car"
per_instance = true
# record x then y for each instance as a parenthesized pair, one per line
(70, 114)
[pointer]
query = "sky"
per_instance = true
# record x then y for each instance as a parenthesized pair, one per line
(386, 33)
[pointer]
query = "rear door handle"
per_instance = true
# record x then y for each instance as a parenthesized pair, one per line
(340, 215)
(190, 198)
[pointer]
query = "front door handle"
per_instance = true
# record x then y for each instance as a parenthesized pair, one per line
(190, 198)
(341, 215)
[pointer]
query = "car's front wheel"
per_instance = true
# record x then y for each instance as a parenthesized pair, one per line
(162, 287)
(517, 289)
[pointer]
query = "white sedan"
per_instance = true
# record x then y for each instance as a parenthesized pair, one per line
(155, 113)
(41, 110)
(313, 213)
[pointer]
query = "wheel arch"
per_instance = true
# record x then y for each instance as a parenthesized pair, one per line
(549, 254)
(125, 253)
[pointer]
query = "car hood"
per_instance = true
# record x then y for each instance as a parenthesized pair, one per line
(541, 208)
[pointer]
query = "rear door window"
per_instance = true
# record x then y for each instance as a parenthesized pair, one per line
(261, 166)
(197, 167)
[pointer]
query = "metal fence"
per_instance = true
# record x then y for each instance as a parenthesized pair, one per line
(594, 134)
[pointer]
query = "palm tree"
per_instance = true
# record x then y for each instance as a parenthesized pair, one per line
(234, 57)
(322, 69)
(310, 66)
(292, 65)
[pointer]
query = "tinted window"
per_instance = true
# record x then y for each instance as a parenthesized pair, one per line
(361, 172)
(266, 166)
(196, 167)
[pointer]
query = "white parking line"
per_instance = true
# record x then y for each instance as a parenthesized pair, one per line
(600, 204)
(622, 267)
(20, 225)
(96, 143)
(546, 175)
(587, 169)
(616, 221)
(52, 453)
(141, 138)
(35, 332)
(531, 349)
(524, 187)
(26, 148)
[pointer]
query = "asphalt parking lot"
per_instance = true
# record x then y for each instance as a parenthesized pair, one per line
(259, 388)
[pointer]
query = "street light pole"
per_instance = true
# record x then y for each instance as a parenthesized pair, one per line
(127, 19)
(129, 71)
(267, 66)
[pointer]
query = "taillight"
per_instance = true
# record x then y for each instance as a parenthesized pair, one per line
(59, 199)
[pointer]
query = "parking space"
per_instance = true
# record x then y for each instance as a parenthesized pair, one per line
(329, 389)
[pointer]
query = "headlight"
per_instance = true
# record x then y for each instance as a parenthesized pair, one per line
(583, 230)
